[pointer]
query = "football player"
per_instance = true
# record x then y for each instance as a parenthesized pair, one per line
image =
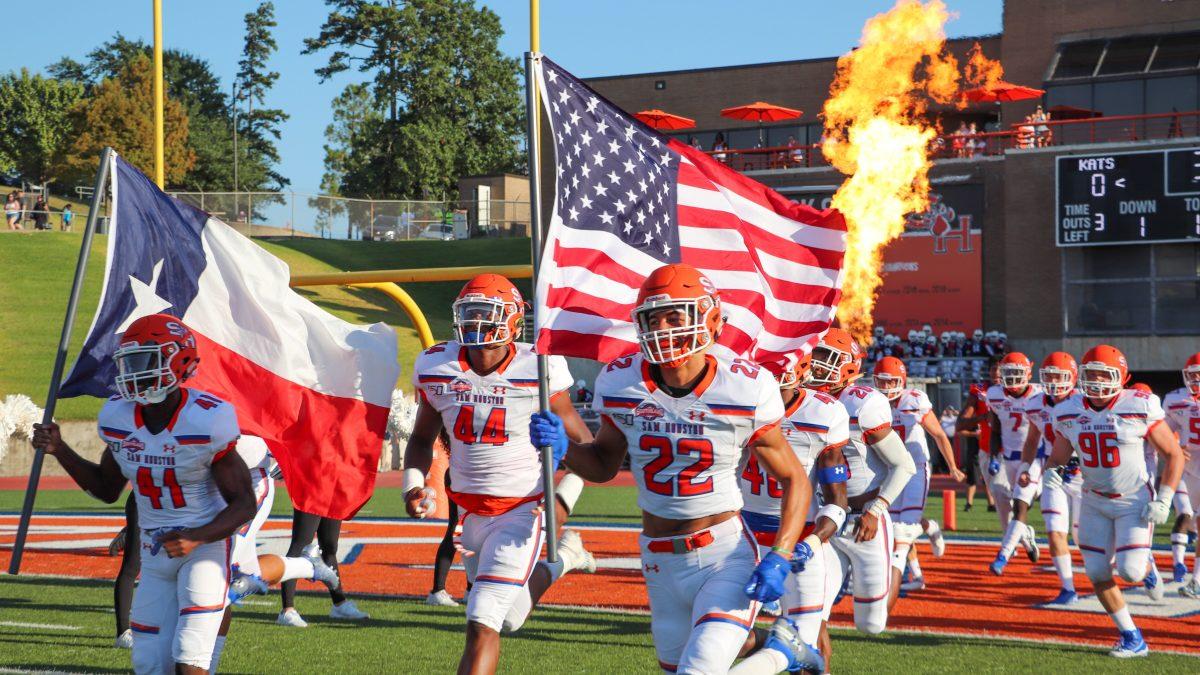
(177, 446)
(1183, 416)
(482, 387)
(817, 427)
(1107, 425)
(1007, 402)
(880, 466)
(253, 573)
(1153, 580)
(686, 418)
(1060, 504)
(912, 419)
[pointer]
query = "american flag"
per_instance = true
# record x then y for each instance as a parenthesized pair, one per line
(628, 200)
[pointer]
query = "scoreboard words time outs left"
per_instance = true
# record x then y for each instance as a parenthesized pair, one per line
(1128, 197)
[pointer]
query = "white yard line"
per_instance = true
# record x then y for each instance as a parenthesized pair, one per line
(48, 626)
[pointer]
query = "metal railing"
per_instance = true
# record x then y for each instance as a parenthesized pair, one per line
(296, 214)
(1021, 135)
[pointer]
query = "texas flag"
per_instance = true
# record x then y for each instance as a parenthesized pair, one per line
(316, 388)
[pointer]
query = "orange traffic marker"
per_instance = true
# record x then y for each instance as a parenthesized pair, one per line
(949, 512)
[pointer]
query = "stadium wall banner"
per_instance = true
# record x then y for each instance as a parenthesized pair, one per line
(934, 272)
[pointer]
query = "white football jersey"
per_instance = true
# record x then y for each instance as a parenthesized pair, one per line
(686, 452)
(257, 456)
(869, 410)
(907, 413)
(171, 471)
(1010, 411)
(1183, 415)
(1109, 441)
(487, 417)
(811, 423)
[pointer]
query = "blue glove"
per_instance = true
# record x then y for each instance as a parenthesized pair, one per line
(766, 584)
(993, 467)
(800, 556)
(546, 430)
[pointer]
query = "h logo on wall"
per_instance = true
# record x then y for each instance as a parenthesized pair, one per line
(944, 224)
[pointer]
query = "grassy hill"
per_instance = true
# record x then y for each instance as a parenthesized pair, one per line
(36, 280)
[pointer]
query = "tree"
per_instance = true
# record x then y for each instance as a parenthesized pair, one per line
(34, 122)
(120, 113)
(255, 80)
(452, 99)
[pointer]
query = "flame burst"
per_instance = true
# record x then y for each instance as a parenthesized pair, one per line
(878, 134)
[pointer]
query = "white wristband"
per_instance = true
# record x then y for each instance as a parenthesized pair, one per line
(1166, 493)
(835, 513)
(877, 507)
(413, 478)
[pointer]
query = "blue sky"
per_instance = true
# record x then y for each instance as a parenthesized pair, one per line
(606, 37)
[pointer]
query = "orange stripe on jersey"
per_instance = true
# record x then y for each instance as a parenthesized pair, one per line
(489, 505)
(221, 453)
(762, 430)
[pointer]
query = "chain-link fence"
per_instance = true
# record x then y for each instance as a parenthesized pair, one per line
(296, 214)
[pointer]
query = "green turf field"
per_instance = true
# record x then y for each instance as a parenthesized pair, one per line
(38, 268)
(67, 626)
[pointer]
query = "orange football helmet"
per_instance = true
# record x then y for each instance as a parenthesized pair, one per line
(836, 360)
(1191, 374)
(1142, 387)
(678, 314)
(489, 310)
(1058, 374)
(157, 353)
(890, 377)
(1015, 371)
(1103, 372)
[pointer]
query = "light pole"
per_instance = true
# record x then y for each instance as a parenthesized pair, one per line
(233, 108)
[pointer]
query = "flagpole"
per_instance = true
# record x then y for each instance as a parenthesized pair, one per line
(159, 168)
(535, 234)
(85, 249)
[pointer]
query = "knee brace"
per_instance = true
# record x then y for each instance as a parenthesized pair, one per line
(1132, 568)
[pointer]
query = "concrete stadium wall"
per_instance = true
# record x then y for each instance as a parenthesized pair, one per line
(80, 435)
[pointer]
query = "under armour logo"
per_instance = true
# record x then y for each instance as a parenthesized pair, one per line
(696, 415)
(651, 568)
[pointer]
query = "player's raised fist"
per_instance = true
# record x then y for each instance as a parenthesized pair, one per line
(420, 501)
(47, 438)
(177, 544)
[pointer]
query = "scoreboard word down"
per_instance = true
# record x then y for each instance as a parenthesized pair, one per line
(1128, 198)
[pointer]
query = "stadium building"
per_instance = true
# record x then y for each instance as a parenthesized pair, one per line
(1080, 229)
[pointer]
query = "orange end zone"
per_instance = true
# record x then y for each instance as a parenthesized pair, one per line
(394, 558)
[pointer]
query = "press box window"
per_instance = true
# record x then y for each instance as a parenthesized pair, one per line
(1132, 290)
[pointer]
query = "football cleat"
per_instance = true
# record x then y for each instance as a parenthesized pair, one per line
(124, 640)
(1154, 585)
(917, 584)
(1191, 589)
(1131, 645)
(1180, 573)
(324, 573)
(570, 547)
(772, 608)
(441, 599)
(938, 543)
(1064, 598)
(348, 610)
(290, 617)
(246, 584)
(1029, 542)
(998, 565)
(785, 639)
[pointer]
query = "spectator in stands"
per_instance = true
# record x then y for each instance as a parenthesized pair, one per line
(582, 393)
(696, 144)
(1026, 133)
(1041, 130)
(12, 211)
(41, 214)
(974, 143)
(795, 152)
(67, 216)
(961, 141)
(719, 148)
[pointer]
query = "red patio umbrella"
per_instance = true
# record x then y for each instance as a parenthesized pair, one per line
(1002, 92)
(661, 119)
(761, 112)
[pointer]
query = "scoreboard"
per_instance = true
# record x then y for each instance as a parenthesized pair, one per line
(1128, 197)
